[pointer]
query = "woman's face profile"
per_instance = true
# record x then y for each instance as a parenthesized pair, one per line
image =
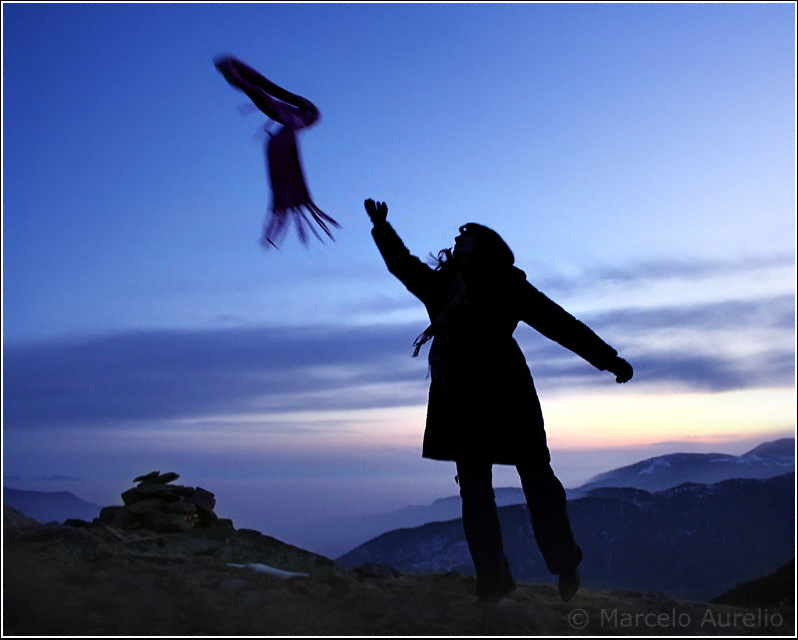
(465, 246)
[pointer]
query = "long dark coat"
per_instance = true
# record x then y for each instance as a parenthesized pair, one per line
(482, 400)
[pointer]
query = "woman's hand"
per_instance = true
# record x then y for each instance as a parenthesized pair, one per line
(622, 370)
(377, 211)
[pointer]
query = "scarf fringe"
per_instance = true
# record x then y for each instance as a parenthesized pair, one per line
(279, 221)
(291, 197)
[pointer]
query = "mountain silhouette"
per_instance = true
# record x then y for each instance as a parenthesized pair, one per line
(691, 541)
(662, 472)
(335, 536)
(49, 506)
(771, 589)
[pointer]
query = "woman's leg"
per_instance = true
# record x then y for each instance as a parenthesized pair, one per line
(545, 498)
(482, 529)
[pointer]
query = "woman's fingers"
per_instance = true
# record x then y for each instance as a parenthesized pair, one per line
(377, 210)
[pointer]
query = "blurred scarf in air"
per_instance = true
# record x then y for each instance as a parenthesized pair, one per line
(290, 194)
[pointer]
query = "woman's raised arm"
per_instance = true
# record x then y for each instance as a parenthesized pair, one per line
(412, 272)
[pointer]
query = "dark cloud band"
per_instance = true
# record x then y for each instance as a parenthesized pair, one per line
(157, 375)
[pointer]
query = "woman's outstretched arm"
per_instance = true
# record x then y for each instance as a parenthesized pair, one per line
(557, 324)
(411, 271)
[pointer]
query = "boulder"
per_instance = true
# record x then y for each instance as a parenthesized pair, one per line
(147, 477)
(150, 490)
(107, 515)
(157, 505)
(205, 500)
(146, 505)
(183, 506)
(156, 477)
(168, 522)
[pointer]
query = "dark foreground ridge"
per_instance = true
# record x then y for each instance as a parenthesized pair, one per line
(98, 578)
(765, 590)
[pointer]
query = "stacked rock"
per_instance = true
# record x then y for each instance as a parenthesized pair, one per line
(157, 505)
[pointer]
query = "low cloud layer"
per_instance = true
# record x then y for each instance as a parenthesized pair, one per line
(161, 375)
(691, 270)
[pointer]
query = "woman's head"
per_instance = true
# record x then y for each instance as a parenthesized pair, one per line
(482, 246)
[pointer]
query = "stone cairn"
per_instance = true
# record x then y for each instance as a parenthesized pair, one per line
(156, 505)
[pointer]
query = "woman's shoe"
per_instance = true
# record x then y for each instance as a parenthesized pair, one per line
(569, 584)
(569, 580)
(494, 592)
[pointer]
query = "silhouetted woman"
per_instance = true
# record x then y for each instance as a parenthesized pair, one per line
(483, 408)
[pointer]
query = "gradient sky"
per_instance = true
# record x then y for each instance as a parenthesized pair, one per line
(638, 158)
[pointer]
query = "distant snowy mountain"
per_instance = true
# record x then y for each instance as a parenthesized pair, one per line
(50, 506)
(785, 448)
(656, 474)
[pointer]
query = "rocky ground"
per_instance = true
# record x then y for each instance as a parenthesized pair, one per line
(98, 580)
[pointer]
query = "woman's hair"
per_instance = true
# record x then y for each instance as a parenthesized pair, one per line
(439, 261)
(492, 250)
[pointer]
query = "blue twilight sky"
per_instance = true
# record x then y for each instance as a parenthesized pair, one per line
(638, 158)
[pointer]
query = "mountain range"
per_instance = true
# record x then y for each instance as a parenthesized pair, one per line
(335, 536)
(663, 472)
(50, 506)
(692, 541)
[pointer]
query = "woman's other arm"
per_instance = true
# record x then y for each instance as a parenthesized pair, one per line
(554, 322)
